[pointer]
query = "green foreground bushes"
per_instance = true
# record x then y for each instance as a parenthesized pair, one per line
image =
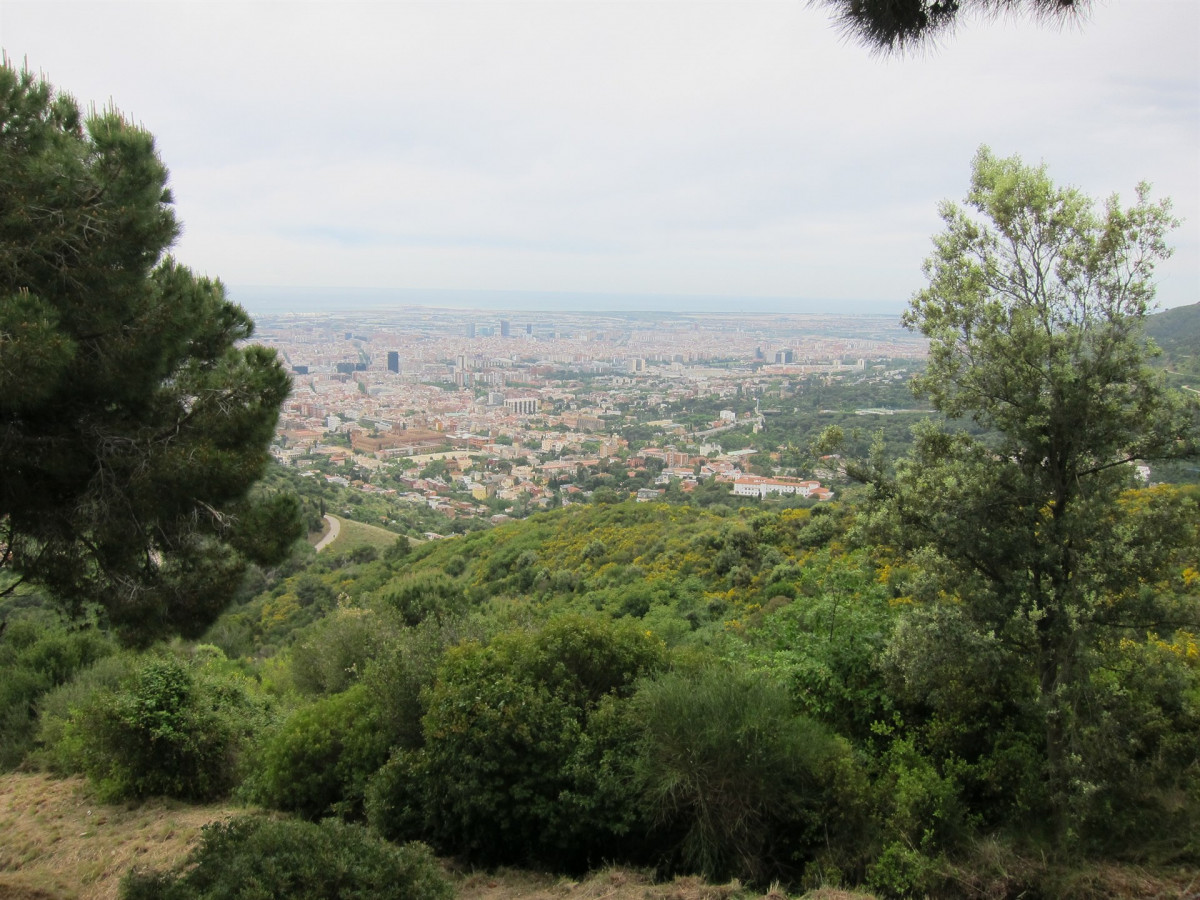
(163, 726)
(317, 762)
(500, 773)
(254, 858)
(579, 744)
(845, 734)
(38, 654)
(742, 785)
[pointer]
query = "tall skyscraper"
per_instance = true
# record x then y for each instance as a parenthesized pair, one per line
(393, 361)
(505, 328)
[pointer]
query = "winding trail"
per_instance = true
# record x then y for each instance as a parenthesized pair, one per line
(335, 528)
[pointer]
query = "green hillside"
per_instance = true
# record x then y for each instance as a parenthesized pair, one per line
(547, 673)
(1177, 332)
(353, 536)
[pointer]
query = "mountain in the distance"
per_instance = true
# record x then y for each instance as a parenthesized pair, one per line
(1177, 331)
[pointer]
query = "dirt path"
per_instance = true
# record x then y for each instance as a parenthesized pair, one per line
(335, 528)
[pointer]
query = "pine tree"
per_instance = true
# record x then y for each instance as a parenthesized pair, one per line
(134, 420)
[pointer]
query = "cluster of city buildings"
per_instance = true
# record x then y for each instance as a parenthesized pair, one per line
(540, 401)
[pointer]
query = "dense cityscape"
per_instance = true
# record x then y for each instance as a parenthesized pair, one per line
(484, 414)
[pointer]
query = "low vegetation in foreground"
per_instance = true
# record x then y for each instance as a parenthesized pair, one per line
(975, 675)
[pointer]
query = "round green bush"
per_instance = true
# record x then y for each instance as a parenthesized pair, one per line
(169, 729)
(255, 858)
(736, 784)
(318, 761)
(521, 760)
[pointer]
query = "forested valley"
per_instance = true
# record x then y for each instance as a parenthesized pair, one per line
(975, 673)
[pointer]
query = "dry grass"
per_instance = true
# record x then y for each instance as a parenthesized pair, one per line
(616, 884)
(358, 534)
(58, 843)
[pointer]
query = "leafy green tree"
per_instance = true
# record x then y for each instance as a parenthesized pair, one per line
(135, 421)
(1034, 312)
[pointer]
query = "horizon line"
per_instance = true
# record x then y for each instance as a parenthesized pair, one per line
(279, 298)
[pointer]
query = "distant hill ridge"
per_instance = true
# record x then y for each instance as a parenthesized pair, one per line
(1176, 331)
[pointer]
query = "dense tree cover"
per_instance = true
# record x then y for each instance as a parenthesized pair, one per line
(832, 734)
(134, 418)
(1177, 332)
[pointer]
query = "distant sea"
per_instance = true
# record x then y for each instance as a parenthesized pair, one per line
(263, 300)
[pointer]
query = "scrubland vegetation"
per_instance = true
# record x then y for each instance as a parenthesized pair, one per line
(744, 695)
(977, 674)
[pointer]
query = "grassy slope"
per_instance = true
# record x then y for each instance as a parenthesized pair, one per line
(357, 534)
(57, 843)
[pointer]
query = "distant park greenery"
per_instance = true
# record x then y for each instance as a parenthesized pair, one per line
(975, 673)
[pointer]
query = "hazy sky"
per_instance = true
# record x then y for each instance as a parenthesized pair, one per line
(738, 149)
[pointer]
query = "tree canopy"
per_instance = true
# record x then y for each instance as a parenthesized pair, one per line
(1028, 535)
(898, 25)
(134, 420)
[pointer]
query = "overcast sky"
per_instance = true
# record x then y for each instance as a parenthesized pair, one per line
(740, 149)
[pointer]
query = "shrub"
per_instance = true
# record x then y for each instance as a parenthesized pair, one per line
(828, 644)
(395, 798)
(492, 763)
(735, 783)
(253, 858)
(168, 729)
(1137, 771)
(903, 871)
(403, 671)
(422, 596)
(318, 761)
(333, 652)
(918, 806)
(506, 740)
(60, 746)
(19, 690)
(38, 653)
(599, 816)
(399, 550)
